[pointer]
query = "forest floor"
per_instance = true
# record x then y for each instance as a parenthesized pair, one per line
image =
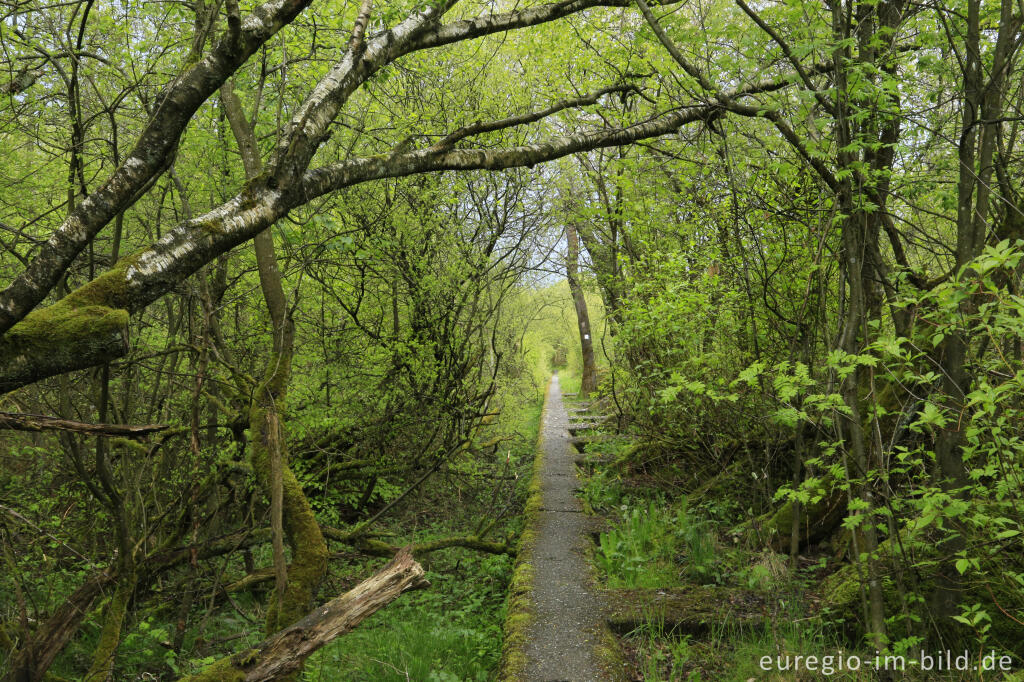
(565, 632)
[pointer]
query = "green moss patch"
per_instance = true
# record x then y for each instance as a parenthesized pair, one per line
(691, 611)
(519, 605)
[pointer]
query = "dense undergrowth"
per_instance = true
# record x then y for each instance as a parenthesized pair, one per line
(745, 601)
(452, 631)
(872, 504)
(449, 631)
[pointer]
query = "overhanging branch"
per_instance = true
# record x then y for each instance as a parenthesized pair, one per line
(139, 279)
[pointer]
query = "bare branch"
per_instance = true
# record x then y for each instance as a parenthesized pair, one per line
(689, 68)
(532, 117)
(37, 422)
(357, 43)
(784, 46)
(22, 80)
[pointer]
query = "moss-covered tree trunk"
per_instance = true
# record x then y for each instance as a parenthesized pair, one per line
(309, 549)
(290, 510)
(102, 666)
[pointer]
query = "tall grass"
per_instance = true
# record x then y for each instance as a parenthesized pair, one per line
(784, 634)
(446, 633)
(662, 655)
(569, 380)
(652, 547)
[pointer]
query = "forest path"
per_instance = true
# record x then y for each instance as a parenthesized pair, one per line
(565, 632)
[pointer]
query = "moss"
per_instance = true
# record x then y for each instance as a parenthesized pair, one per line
(519, 603)
(522, 578)
(513, 663)
(841, 593)
(60, 328)
(611, 656)
(841, 590)
(131, 444)
(90, 322)
(380, 548)
(224, 670)
(309, 549)
(211, 225)
(228, 669)
(517, 624)
(817, 521)
(694, 610)
(254, 186)
(109, 289)
(7, 644)
(110, 636)
(733, 482)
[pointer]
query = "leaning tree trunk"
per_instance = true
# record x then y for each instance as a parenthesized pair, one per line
(290, 510)
(588, 382)
(33, 658)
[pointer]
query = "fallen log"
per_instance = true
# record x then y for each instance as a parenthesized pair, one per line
(41, 422)
(32, 658)
(694, 610)
(378, 548)
(285, 652)
(817, 521)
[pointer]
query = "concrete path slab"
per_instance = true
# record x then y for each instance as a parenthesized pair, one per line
(565, 632)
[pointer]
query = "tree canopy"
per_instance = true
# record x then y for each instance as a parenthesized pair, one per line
(791, 234)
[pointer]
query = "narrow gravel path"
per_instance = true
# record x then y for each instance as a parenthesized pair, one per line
(564, 633)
